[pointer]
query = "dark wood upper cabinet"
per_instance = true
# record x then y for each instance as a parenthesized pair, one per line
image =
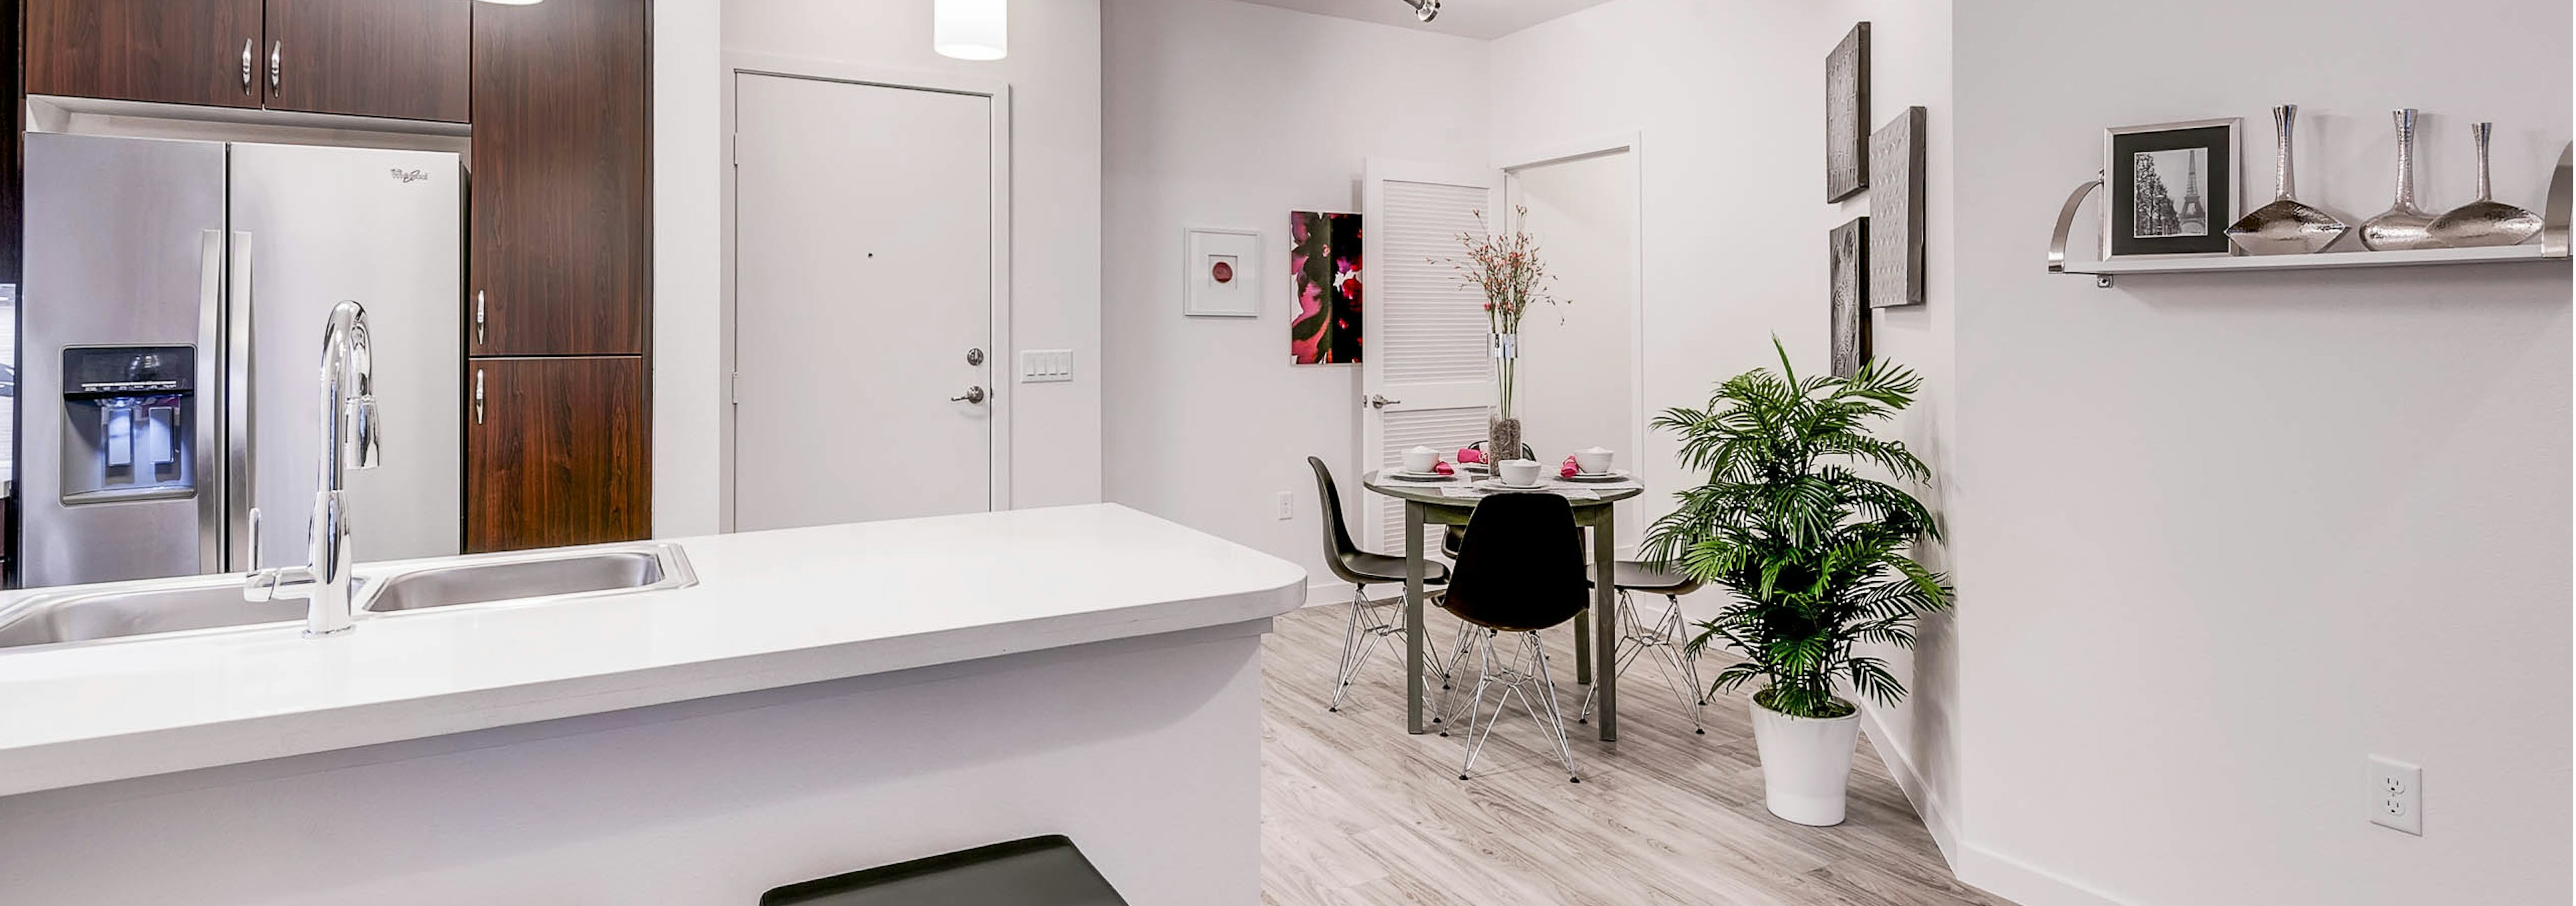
(408, 59)
(388, 58)
(172, 51)
(557, 452)
(560, 236)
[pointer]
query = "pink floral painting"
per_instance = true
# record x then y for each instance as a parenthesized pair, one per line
(1324, 255)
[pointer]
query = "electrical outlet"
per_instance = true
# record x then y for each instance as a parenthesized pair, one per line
(2396, 795)
(1287, 506)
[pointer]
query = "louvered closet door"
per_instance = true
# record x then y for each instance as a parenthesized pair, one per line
(1425, 374)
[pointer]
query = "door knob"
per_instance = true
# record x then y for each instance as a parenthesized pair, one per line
(972, 395)
(1379, 402)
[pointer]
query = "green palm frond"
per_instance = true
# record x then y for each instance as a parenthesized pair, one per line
(1803, 519)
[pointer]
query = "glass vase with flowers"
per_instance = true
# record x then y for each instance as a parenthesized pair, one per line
(1506, 269)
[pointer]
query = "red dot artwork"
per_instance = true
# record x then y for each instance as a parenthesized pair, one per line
(1223, 272)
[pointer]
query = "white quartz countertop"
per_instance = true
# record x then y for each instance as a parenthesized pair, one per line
(770, 609)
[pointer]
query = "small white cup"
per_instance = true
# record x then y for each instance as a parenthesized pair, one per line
(1519, 473)
(1420, 459)
(1592, 461)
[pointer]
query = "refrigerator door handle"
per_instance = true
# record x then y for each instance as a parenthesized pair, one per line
(240, 491)
(209, 431)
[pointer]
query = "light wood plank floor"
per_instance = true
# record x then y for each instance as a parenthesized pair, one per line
(1355, 811)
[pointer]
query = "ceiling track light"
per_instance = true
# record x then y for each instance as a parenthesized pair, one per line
(1425, 10)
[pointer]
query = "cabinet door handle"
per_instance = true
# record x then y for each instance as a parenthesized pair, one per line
(275, 48)
(478, 396)
(247, 45)
(478, 317)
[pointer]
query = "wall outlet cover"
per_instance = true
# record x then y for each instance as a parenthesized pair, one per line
(1287, 505)
(1045, 366)
(2396, 795)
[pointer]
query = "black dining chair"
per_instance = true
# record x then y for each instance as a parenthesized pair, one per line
(1370, 622)
(1668, 635)
(1519, 570)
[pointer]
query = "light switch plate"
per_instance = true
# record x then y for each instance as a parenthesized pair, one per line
(1046, 366)
(2396, 795)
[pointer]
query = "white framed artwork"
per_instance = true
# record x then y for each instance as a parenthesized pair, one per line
(1221, 273)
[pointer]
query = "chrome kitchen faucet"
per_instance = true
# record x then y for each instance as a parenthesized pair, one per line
(348, 442)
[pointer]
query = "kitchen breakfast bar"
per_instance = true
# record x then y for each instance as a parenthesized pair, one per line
(819, 701)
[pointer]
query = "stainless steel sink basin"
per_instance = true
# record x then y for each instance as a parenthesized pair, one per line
(534, 575)
(130, 609)
(211, 602)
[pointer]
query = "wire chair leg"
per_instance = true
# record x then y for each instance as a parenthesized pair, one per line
(1484, 679)
(1350, 647)
(1555, 711)
(1629, 647)
(1457, 657)
(1689, 655)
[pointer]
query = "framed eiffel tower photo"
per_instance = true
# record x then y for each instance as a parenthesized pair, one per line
(2172, 188)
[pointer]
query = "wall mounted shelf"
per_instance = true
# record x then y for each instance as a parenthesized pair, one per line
(2551, 246)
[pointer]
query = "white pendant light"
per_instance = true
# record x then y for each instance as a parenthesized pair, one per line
(971, 29)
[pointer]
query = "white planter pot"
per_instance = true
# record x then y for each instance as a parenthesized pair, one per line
(1806, 764)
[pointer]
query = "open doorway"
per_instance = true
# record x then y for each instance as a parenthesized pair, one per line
(1579, 384)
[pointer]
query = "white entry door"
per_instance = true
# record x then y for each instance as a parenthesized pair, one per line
(863, 302)
(1426, 376)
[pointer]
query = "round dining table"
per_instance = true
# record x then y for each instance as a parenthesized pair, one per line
(1450, 502)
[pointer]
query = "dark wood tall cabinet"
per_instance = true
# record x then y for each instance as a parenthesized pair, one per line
(559, 280)
(405, 59)
(557, 452)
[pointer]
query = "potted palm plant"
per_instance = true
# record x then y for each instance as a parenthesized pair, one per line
(1815, 552)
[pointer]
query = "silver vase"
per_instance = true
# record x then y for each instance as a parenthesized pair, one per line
(2484, 222)
(2403, 225)
(2285, 227)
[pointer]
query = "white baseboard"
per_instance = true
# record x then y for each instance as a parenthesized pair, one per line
(1978, 866)
(2023, 883)
(1945, 832)
(1335, 594)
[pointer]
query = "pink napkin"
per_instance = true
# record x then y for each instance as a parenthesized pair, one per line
(1443, 468)
(1570, 470)
(1470, 454)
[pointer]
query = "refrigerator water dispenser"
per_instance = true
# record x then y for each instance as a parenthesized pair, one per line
(129, 414)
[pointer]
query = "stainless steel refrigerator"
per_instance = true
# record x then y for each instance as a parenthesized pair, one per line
(171, 317)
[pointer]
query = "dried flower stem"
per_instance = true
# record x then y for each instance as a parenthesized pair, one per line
(1507, 270)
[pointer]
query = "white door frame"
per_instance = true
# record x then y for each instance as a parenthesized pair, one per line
(1001, 357)
(1630, 144)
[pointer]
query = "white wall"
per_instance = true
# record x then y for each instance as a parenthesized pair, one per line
(688, 288)
(1910, 64)
(1577, 377)
(1225, 114)
(2221, 536)
(1054, 73)
(1730, 133)
(1735, 235)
